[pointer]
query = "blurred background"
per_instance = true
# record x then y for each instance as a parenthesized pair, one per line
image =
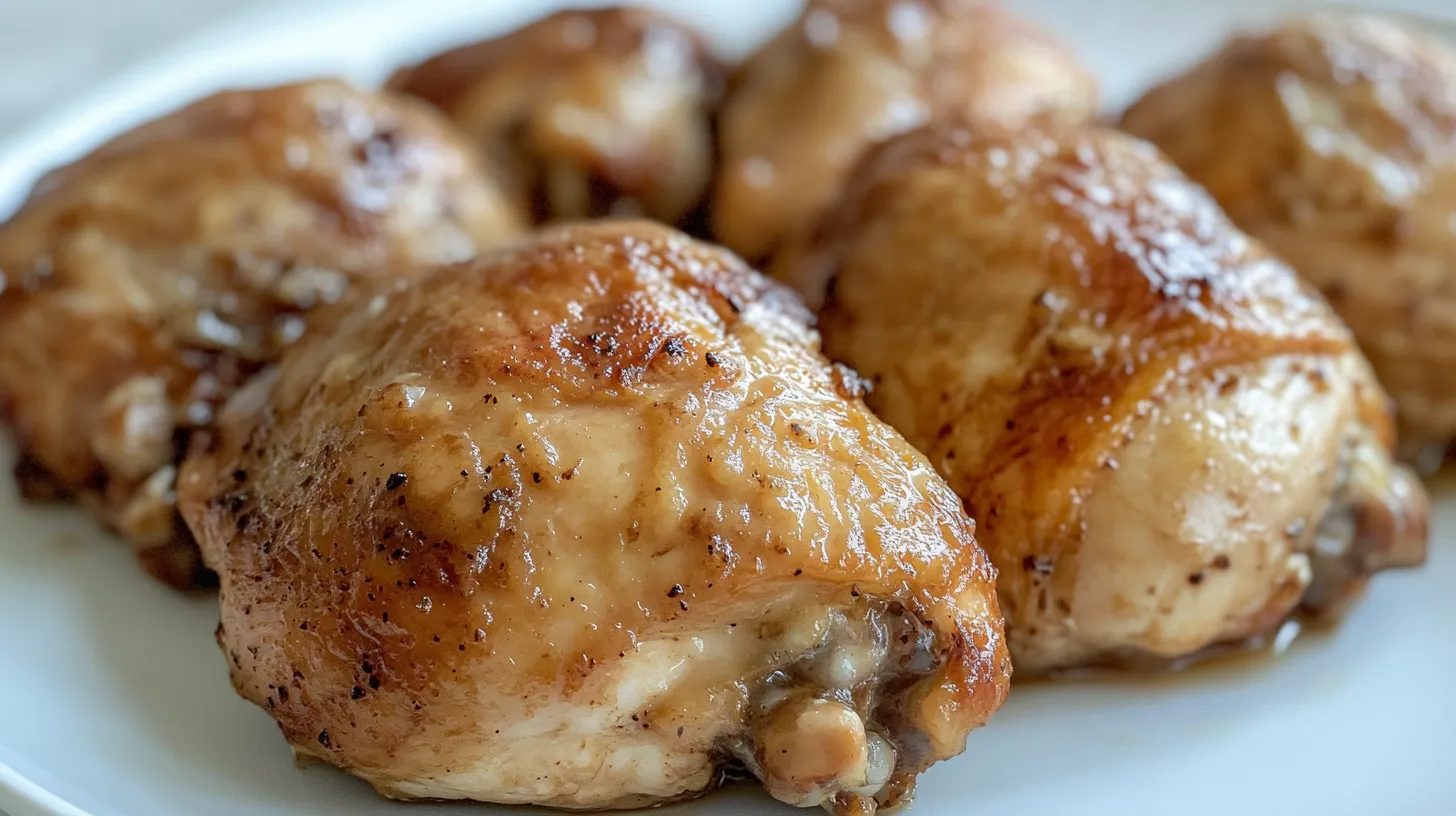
(52, 48)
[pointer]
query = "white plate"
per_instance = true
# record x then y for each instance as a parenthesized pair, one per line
(114, 699)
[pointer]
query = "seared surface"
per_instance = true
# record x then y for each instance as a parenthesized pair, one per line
(576, 523)
(1166, 440)
(143, 284)
(1333, 139)
(851, 73)
(590, 113)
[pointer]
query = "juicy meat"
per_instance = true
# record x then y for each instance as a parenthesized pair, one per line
(581, 522)
(1333, 139)
(590, 113)
(850, 73)
(143, 284)
(1167, 442)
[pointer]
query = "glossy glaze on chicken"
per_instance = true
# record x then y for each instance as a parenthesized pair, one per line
(142, 285)
(851, 73)
(1168, 443)
(584, 523)
(1333, 138)
(590, 113)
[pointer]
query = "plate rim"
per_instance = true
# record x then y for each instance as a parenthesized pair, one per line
(22, 796)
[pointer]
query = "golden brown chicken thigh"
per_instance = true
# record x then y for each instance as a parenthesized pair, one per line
(143, 284)
(580, 523)
(591, 112)
(1333, 139)
(850, 73)
(1167, 443)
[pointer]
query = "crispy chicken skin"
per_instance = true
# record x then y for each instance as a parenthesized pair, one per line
(850, 73)
(579, 524)
(1167, 442)
(143, 284)
(1333, 139)
(592, 112)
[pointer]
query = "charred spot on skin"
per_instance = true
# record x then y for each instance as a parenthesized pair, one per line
(323, 739)
(1037, 565)
(1392, 231)
(497, 496)
(1196, 578)
(677, 589)
(396, 481)
(357, 693)
(602, 343)
(674, 347)
(848, 383)
(1221, 562)
(712, 360)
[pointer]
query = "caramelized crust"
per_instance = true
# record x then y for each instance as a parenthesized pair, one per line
(851, 73)
(1160, 431)
(590, 112)
(1333, 138)
(577, 523)
(143, 284)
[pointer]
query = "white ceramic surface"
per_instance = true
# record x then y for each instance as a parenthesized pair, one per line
(114, 700)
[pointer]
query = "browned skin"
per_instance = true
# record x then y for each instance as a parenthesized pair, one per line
(1168, 443)
(543, 529)
(142, 285)
(1333, 139)
(850, 73)
(593, 113)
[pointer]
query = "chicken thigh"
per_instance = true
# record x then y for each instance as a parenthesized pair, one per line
(1168, 443)
(590, 112)
(580, 524)
(1333, 139)
(850, 73)
(143, 284)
